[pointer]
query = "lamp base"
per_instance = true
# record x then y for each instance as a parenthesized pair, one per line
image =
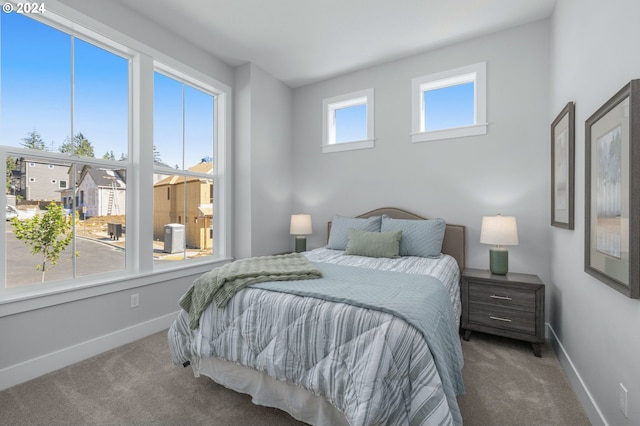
(301, 243)
(499, 260)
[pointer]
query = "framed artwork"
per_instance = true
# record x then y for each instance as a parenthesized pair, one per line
(563, 167)
(612, 196)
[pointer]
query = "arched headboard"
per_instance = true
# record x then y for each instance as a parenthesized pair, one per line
(453, 244)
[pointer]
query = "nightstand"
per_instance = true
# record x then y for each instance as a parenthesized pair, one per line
(509, 305)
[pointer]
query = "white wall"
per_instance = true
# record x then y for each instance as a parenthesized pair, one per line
(263, 163)
(504, 171)
(594, 53)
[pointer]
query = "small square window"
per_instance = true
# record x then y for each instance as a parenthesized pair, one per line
(348, 122)
(449, 104)
(62, 184)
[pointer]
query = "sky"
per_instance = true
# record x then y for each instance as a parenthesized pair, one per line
(449, 107)
(35, 94)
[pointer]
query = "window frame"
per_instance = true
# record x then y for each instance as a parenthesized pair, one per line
(329, 107)
(475, 73)
(139, 271)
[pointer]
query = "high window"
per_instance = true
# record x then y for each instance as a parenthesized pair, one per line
(449, 104)
(348, 122)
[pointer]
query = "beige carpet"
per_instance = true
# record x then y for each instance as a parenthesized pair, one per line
(137, 385)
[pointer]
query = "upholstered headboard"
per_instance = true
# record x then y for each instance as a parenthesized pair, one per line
(453, 244)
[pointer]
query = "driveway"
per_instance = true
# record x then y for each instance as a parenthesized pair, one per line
(94, 257)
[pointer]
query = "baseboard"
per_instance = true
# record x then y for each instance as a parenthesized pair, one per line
(579, 387)
(53, 361)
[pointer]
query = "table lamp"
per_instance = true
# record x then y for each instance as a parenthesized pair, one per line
(300, 226)
(500, 231)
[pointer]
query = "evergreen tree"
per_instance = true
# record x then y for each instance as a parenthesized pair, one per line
(109, 156)
(79, 146)
(33, 141)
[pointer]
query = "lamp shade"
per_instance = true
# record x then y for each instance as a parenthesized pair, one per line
(300, 224)
(499, 230)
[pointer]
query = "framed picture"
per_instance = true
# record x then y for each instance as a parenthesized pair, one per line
(563, 167)
(612, 196)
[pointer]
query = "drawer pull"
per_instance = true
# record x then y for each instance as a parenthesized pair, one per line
(500, 319)
(493, 296)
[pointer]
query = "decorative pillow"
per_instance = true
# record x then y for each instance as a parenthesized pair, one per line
(340, 225)
(373, 244)
(419, 237)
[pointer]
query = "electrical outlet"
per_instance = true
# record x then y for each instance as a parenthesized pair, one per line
(623, 400)
(135, 300)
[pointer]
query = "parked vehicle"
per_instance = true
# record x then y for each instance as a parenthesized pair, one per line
(11, 212)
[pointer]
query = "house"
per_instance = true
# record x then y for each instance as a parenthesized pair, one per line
(168, 199)
(100, 192)
(40, 181)
(580, 51)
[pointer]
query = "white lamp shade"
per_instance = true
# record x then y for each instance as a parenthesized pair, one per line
(300, 224)
(499, 230)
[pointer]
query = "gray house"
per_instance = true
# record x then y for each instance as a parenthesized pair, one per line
(42, 180)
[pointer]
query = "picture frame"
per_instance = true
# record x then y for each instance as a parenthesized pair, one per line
(563, 168)
(612, 192)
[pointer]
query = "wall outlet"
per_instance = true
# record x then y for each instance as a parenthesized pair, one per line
(135, 300)
(623, 400)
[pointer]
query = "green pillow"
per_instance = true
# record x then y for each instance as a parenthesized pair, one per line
(373, 244)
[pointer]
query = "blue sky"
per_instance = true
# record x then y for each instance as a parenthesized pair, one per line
(449, 107)
(351, 123)
(35, 92)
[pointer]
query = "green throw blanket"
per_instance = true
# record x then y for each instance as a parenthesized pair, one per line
(222, 283)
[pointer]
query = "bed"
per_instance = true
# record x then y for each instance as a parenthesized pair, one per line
(374, 341)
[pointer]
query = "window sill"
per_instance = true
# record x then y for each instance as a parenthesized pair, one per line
(348, 146)
(457, 132)
(36, 298)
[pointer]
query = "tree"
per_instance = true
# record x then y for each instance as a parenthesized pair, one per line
(48, 235)
(33, 141)
(11, 165)
(109, 156)
(79, 146)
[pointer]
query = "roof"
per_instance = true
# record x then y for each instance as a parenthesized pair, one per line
(204, 167)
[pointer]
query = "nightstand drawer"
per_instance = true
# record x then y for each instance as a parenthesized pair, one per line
(503, 295)
(503, 318)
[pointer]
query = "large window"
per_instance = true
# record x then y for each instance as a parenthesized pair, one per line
(184, 130)
(449, 104)
(85, 168)
(62, 96)
(347, 122)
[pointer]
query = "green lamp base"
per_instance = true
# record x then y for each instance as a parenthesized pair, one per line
(499, 260)
(301, 244)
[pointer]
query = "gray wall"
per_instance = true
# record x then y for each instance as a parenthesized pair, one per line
(504, 171)
(594, 53)
(263, 165)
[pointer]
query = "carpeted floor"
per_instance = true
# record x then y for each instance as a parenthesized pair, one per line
(136, 384)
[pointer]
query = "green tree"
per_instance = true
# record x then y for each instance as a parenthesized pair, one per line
(47, 235)
(11, 165)
(109, 156)
(34, 141)
(79, 146)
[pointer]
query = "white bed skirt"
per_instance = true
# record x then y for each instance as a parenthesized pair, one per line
(267, 391)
